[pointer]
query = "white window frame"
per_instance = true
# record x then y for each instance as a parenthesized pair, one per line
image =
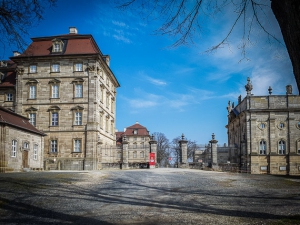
(32, 69)
(35, 151)
(53, 146)
(78, 118)
(281, 147)
(32, 118)
(55, 68)
(262, 147)
(54, 119)
(9, 97)
(142, 155)
(26, 145)
(77, 145)
(78, 67)
(32, 91)
(56, 47)
(14, 144)
(78, 91)
(55, 91)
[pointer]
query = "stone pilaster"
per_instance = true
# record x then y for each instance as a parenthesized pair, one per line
(183, 152)
(125, 153)
(153, 149)
(214, 154)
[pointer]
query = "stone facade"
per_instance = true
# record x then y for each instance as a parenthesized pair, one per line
(266, 132)
(21, 144)
(65, 86)
(136, 145)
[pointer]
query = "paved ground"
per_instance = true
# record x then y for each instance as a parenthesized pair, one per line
(157, 196)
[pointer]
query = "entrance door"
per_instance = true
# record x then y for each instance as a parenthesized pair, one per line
(25, 159)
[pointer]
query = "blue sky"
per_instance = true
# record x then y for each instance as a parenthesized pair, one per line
(174, 90)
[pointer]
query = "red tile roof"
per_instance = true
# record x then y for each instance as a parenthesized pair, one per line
(9, 74)
(141, 130)
(73, 45)
(7, 117)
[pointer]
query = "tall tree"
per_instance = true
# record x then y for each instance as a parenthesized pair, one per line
(183, 19)
(162, 148)
(17, 17)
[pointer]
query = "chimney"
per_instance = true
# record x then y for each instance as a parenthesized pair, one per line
(73, 30)
(16, 53)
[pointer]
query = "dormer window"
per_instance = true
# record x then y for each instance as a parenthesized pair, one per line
(57, 45)
(135, 131)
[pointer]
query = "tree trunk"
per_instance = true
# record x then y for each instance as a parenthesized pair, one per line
(287, 13)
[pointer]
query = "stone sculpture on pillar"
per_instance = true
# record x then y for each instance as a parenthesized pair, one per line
(248, 87)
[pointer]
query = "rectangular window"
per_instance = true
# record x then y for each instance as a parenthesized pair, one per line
(54, 120)
(134, 155)
(32, 92)
(14, 148)
(32, 118)
(55, 68)
(56, 47)
(142, 155)
(78, 118)
(9, 97)
(35, 152)
(77, 145)
(53, 146)
(78, 90)
(32, 69)
(78, 67)
(55, 91)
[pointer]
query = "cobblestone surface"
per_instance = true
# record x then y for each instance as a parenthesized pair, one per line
(157, 196)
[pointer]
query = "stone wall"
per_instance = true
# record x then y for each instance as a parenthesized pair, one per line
(8, 162)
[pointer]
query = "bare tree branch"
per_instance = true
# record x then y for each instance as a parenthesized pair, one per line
(17, 17)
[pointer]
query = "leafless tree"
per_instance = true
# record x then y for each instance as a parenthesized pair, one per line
(184, 20)
(17, 17)
(175, 150)
(162, 148)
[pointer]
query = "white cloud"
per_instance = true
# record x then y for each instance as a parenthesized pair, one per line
(157, 82)
(120, 24)
(121, 38)
(142, 103)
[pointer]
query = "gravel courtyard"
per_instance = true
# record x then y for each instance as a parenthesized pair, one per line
(156, 196)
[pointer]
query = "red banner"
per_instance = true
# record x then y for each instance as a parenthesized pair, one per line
(152, 159)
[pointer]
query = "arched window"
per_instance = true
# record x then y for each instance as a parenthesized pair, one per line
(262, 147)
(281, 147)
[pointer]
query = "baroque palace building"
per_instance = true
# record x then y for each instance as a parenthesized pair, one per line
(64, 85)
(264, 132)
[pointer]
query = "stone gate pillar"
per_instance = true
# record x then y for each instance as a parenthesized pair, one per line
(183, 152)
(124, 153)
(153, 149)
(214, 154)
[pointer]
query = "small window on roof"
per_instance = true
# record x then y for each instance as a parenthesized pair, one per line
(57, 45)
